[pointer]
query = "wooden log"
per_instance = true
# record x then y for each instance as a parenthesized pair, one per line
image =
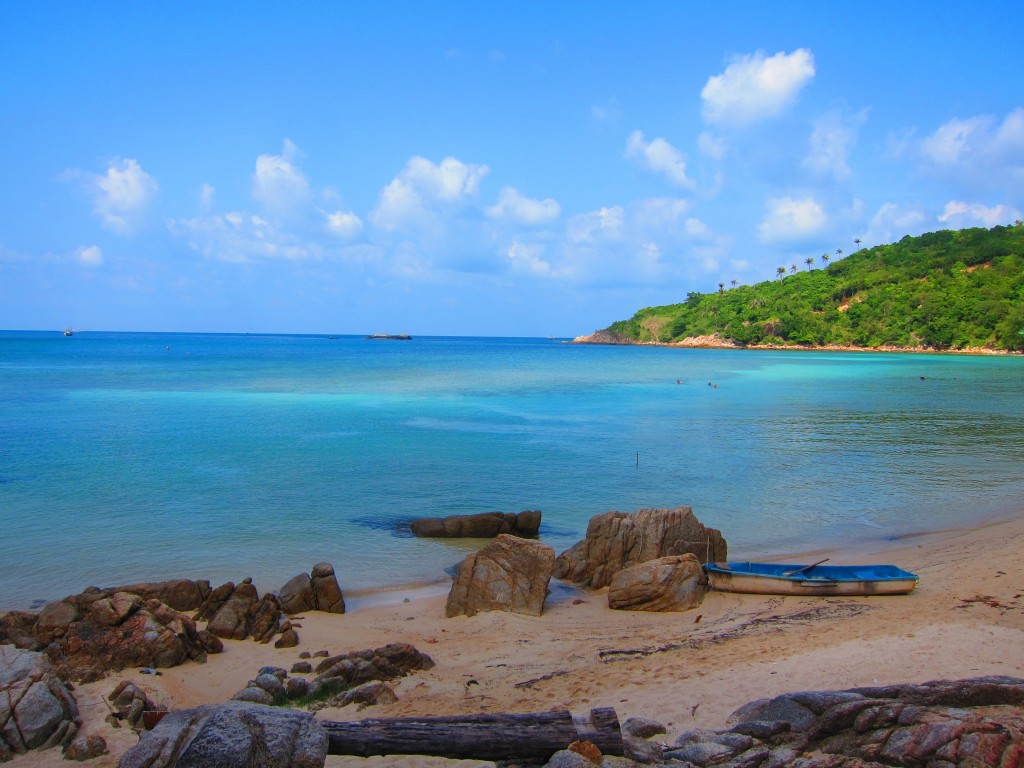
(477, 737)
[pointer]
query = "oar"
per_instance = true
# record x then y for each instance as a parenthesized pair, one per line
(805, 568)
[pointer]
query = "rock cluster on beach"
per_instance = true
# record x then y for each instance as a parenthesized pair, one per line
(618, 540)
(315, 591)
(37, 711)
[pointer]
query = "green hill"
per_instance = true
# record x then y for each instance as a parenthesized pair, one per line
(949, 290)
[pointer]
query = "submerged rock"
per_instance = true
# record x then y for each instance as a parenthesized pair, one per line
(483, 525)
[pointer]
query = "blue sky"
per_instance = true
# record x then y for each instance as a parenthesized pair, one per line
(527, 168)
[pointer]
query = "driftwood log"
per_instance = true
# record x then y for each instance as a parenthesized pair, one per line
(477, 737)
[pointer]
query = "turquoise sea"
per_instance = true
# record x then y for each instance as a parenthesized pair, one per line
(144, 456)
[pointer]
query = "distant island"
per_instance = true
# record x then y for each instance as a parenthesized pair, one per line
(943, 291)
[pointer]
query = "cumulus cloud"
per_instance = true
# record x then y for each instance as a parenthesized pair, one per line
(89, 256)
(755, 87)
(121, 196)
(658, 156)
(830, 144)
(959, 214)
(600, 225)
(416, 195)
(789, 219)
(344, 224)
(278, 184)
(241, 238)
(528, 258)
(978, 149)
(892, 222)
(515, 207)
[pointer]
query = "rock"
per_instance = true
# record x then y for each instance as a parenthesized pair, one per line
(509, 574)
(179, 594)
(617, 540)
(37, 711)
(289, 639)
(254, 695)
(567, 758)
(483, 525)
(231, 735)
(367, 695)
(130, 702)
(266, 619)
(296, 688)
(673, 583)
(56, 617)
(279, 672)
(149, 635)
(213, 601)
(642, 728)
(318, 591)
(271, 684)
(387, 663)
(233, 619)
(301, 667)
(296, 595)
(326, 591)
(84, 748)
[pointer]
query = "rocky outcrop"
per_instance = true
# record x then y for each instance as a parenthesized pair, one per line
(975, 723)
(128, 703)
(485, 525)
(387, 663)
(236, 612)
(509, 574)
(37, 711)
(617, 540)
(673, 583)
(316, 591)
(228, 735)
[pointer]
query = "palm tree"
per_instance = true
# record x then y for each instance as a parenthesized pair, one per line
(857, 241)
(780, 271)
(808, 261)
(734, 283)
(792, 268)
(839, 251)
(721, 287)
(824, 258)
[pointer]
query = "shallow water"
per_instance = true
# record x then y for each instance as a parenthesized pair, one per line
(126, 457)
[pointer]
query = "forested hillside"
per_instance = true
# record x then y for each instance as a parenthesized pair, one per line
(944, 290)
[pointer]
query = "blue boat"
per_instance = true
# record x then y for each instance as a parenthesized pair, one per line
(814, 579)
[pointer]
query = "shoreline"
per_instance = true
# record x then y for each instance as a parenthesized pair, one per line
(686, 670)
(716, 342)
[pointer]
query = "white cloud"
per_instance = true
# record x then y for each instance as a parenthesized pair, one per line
(753, 87)
(831, 142)
(344, 224)
(121, 196)
(527, 257)
(89, 256)
(959, 214)
(241, 238)
(524, 210)
(412, 198)
(659, 157)
(789, 219)
(206, 197)
(711, 145)
(981, 148)
(697, 229)
(659, 212)
(278, 184)
(892, 222)
(599, 225)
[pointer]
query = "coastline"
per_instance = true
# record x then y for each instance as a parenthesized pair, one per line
(686, 670)
(717, 342)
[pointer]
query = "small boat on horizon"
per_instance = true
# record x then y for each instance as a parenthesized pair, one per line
(394, 336)
(813, 579)
(69, 332)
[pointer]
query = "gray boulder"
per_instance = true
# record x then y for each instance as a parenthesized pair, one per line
(37, 711)
(231, 735)
(509, 574)
(673, 583)
(617, 540)
(317, 591)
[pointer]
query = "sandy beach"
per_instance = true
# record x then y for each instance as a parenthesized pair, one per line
(689, 669)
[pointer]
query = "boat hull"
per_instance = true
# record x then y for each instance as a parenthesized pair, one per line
(788, 579)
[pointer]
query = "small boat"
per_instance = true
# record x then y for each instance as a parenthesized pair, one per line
(397, 336)
(814, 579)
(69, 332)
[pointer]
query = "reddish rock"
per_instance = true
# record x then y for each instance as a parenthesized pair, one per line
(509, 574)
(673, 583)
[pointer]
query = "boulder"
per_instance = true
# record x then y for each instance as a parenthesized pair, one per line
(483, 525)
(317, 591)
(617, 540)
(37, 711)
(232, 620)
(386, 663)
(84, 748)
(235, 734)
(673, 583)
(180, 594)
(122, 632)
(129, 702)
(509, 574)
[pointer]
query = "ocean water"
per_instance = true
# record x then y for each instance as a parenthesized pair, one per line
(128, 457)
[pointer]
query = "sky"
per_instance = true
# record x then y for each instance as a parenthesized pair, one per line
(479, 169)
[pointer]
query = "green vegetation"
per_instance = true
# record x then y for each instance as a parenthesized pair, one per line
(945, 290)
